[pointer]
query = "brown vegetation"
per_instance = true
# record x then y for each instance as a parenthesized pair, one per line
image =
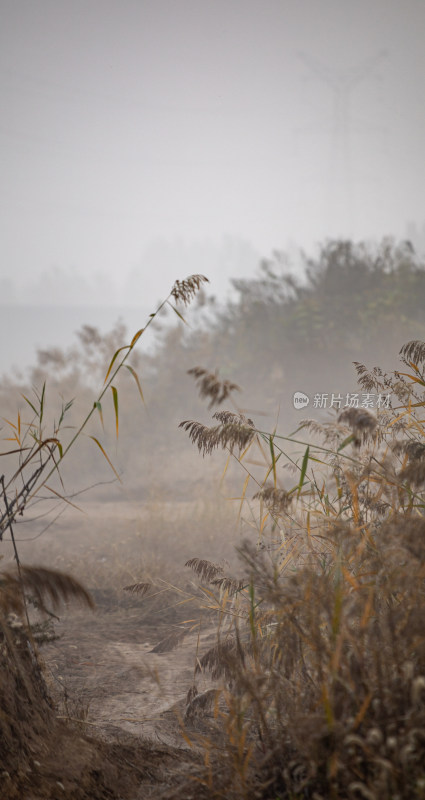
(304, 660)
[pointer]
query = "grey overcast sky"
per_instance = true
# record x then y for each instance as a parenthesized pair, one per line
(142, 140)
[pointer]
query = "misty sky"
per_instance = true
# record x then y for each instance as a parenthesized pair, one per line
(143, 141)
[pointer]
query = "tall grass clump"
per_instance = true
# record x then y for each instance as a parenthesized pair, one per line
(38, 445)
(320, 651)
(35, 445)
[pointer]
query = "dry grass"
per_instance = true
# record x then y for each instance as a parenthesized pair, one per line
(320, 651)
(210, 387)
(321, 647)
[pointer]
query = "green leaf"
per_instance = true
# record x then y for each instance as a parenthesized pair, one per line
(136, 378)
(115, 396)
(96, 441)
(43, 394)
(270, 469)
(273, 457)
(346, 441)
(98, 405)
(30, 404)
(303, 469)
(65, 409)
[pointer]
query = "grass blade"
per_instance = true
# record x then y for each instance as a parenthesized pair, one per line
(12, 424)
(346, 442)
(120, 349)
(225, 469)
(115, 397)
(273, 457)
(65, 499)
(98, 405)
(136, 337)
(42, 398)
(177, 312)
(96, 441)
(303, 469)
(413, 378)
(245, 486)
(30, 404)
(136, 378)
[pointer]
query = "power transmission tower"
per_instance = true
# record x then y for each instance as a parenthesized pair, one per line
(342, 83)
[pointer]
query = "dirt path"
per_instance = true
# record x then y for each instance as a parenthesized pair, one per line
(104, 671)
(111, 671)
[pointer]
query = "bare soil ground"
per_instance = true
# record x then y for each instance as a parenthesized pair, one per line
(106, 670)
(119, 676)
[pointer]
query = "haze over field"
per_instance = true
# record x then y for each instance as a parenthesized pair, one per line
(125, 124)
(146, 141)
(241, 494)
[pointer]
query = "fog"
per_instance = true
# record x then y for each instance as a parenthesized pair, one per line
(276, 147)
(146, 142)
(142, 142)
